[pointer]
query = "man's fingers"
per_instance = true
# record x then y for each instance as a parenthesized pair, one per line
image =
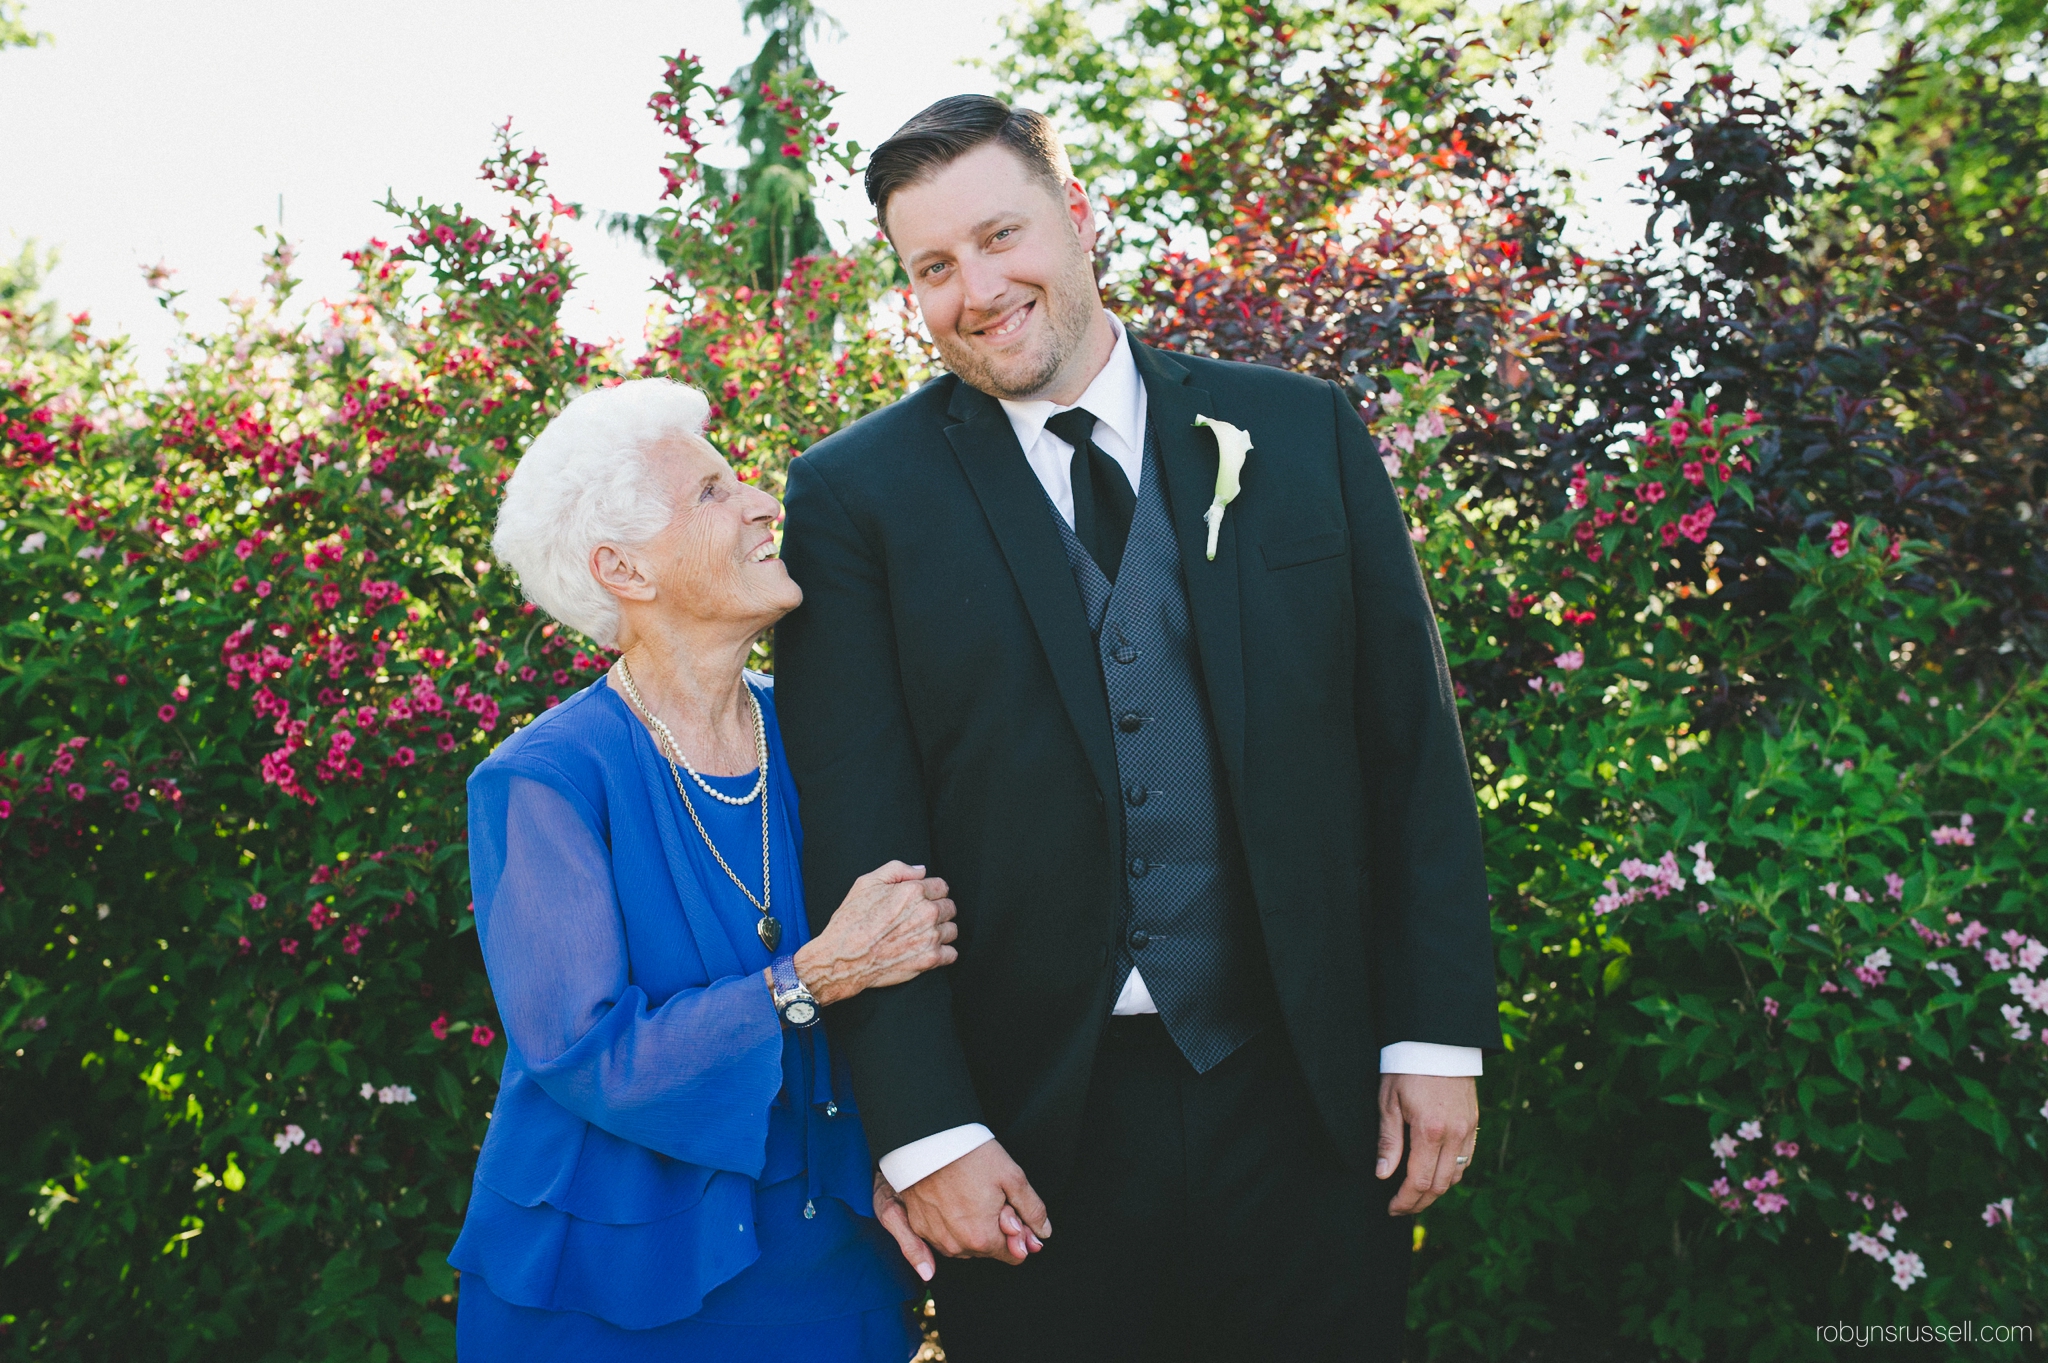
(1391, 1130)
(1028, 1204)
(895, 872)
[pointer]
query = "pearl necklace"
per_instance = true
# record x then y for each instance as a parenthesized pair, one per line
(769, 928)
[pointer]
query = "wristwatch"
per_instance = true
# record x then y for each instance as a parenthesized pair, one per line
(796, 1003)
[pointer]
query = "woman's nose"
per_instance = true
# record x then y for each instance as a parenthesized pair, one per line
(762, 506)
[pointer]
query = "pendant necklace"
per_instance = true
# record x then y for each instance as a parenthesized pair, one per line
(769, 930)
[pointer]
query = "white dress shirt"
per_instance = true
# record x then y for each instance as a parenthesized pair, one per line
(1117, 398)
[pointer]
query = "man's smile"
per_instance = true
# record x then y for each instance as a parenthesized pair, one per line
(1009, 325)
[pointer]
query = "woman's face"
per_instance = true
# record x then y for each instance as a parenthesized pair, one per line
(715, 561)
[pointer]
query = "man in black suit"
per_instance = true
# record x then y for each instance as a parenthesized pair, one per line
(1198, 789)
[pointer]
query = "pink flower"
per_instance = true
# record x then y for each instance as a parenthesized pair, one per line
(258, 902)
(264, 588)
(439, 1027)
(1771, 1203)
(2001, 1210)
(1868, 1244)
(1571, 660)
(1898, 1211)
(167, 713)
(1652, 493)
(1750, 1130)
(1894, 886)
(1906, 1268)
(1723, 1148)
(1771, 1011)
(1905, 1063)
(1694, 473)
(1786, 1149)
(446, 742)
(1997, 959)
(243, 946)
(1719, 1187)
(319, 916)
(1838, 539)
(313, 1146)
(1972, 934)
(75, 791)
(288, 945)
(481, 1035)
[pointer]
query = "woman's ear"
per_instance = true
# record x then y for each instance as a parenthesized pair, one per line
(621, 573)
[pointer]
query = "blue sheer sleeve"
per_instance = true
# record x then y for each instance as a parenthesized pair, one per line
(691, 1077)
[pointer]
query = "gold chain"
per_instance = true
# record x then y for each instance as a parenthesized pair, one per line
(760, 786)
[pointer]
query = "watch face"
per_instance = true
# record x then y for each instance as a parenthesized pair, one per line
(800, 1012)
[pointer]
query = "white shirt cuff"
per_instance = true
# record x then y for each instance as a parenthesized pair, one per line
(907, 1164)
(1427, 1057)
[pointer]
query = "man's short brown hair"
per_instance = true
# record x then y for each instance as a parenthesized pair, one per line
(951, 128)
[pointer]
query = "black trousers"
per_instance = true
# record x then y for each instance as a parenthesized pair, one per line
(1208, 1217)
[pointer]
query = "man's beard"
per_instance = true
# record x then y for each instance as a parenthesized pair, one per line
(1070, 307)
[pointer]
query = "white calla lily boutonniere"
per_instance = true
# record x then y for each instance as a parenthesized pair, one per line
(1232, 445)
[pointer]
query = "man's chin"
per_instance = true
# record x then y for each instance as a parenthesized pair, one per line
(1014, 377)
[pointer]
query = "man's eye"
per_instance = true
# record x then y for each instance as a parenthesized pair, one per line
(931, 270)
(1007, 231)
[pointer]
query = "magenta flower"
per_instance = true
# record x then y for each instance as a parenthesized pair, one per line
(1571, 660)
(288, 945)
(1771, 1011)
(481, 1035)
(1894, 886)
(167, 713)
(258, 902)
(1786, 1149)
(439, 1027)
(1771, 1203)
(313, 1146)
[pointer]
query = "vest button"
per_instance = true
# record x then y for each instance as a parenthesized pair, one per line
(1138, 868)
(1130, 721)
(1125, 654)
(1134, 794)
(1138, 939)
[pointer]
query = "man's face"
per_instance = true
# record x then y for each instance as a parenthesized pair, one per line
(1003, 271)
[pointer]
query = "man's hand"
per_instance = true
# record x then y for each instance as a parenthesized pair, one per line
(979, 1207)
(1440, 1117)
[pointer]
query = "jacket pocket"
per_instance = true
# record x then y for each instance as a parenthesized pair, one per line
(1307, 549)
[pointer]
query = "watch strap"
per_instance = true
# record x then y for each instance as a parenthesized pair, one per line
(783, 971)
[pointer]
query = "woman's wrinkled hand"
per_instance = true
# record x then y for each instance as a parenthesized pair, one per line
(895, 923)
(889, 1211)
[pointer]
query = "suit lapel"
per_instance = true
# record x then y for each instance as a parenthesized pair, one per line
(1187, 457)
(1016, 508)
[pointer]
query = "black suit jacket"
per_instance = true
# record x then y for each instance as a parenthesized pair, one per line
(941, 703)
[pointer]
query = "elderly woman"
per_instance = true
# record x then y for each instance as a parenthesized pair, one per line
(674, 1168)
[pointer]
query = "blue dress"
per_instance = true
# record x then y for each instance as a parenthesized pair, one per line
(669, 1173)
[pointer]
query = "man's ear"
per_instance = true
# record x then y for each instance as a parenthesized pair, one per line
(620, 572)
(1082, 212)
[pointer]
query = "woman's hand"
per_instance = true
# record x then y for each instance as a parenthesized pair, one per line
(889, 1211)
(895, 924)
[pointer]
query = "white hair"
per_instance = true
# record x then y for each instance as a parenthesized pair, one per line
(588, 479)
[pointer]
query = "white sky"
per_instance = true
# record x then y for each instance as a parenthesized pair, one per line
(167, 132)
(150, 132)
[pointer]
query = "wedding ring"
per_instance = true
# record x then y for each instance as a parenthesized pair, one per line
(1463, 1158)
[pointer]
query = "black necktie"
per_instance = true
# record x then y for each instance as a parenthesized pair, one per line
(1103, 497)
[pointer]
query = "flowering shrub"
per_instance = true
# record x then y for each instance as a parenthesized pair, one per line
(254, 643)
(1744, 621)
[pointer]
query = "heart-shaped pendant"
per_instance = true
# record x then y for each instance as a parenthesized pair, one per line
(771, 932)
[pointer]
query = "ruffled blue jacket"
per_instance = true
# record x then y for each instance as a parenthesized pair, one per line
(649, 1088)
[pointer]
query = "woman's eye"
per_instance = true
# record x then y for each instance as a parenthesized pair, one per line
(1007, 231)
(710, 491)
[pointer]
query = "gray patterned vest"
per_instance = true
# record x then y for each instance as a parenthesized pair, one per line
(1189, 921)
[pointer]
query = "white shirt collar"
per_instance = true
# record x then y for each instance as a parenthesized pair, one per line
(1116, 396)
